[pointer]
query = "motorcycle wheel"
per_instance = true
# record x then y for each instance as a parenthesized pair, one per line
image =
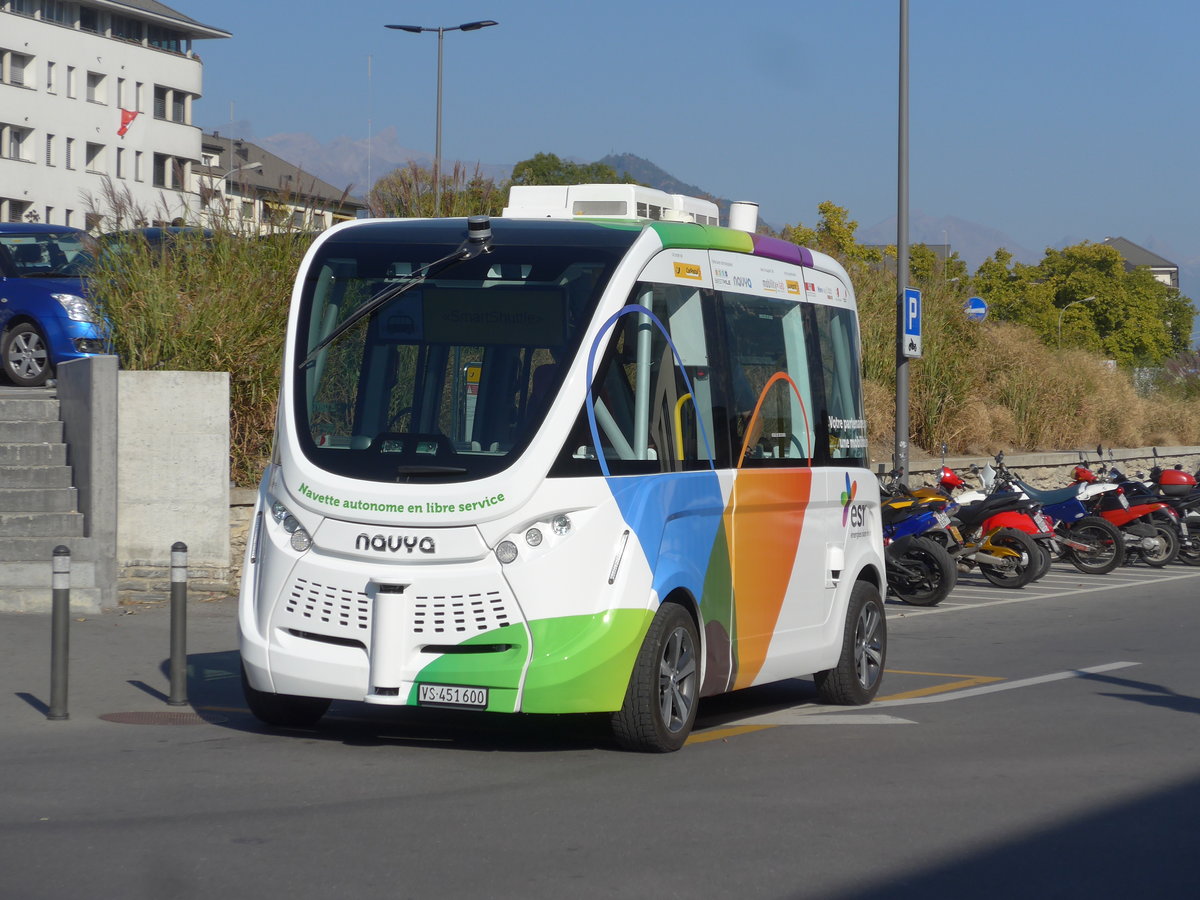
(1167, 550)
(1106, 540)
(1043, 561)
(936, 578)
(1013, 575)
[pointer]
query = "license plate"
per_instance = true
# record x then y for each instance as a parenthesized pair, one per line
(452, 695)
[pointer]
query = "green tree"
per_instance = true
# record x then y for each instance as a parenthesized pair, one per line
(834, 235)
(546, 168)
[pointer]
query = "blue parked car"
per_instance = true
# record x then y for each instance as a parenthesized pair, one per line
(45, 316)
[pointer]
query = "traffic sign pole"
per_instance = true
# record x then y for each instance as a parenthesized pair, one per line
(900, 458)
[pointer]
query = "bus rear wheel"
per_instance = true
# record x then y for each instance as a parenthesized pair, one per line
(660, 702)
(284, 710)
(855, 679)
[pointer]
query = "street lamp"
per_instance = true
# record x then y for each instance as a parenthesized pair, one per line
(437, 153)
(1063, 310)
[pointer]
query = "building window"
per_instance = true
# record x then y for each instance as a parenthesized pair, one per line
(120, 162)
(94, 158)
(13, 141)
(70, 155)
(137, 97)
(160, 101)
(13, 67)
(95, 88)
(71, 82)
(24, 7)
(137, 166)
(49, 149)
(67, 216)
(178, 106)
(89, 19)
(56, 11)
(12, 210)
(165, 39)
(247, 209)
(51, 83)
(169, 172)
(121, 91)
(126, 29)
(49, 215)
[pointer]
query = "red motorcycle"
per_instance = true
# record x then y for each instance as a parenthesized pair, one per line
(1148, 531)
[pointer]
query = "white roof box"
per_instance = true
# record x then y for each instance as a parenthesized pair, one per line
(607, 201)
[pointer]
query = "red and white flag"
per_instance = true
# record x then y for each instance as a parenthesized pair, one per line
(127, 117)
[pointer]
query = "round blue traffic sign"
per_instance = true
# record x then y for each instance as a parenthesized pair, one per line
(976, 309)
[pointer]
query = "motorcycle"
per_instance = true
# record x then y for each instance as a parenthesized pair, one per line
(1091, 544)
(1152, 538)
(920, 571)
(1005, 556)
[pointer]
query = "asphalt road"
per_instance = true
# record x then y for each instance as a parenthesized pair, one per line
(1040, 742)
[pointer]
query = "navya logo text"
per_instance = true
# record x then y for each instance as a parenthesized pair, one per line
(853, 513)
(395, 543)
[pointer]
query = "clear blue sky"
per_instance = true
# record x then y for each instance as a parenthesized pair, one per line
(1049, 121)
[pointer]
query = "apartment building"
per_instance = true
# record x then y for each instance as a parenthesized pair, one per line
(95, 102)
(246, 187)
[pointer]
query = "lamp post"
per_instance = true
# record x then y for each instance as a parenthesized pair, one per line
(437, 153)
(214, 180)
(1063, 310)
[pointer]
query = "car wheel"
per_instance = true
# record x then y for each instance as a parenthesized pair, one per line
(859, 671)
(26, 356)
(660, 702)
(284, 710)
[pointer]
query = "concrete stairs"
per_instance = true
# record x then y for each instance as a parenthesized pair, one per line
(38, 506)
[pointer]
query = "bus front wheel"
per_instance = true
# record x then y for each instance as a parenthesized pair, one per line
(284, 710)
(660, 702)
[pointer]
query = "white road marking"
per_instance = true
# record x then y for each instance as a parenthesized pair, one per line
(1005, 685)
(1027, 593)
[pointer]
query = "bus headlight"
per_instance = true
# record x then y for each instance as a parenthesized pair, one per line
(300, 538)
(506, 552)
(533, 537)
(561, 525)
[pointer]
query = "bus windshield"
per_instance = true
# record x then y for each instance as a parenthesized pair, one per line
(450, 379)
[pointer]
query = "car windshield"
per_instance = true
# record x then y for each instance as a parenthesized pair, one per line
(46, 255)
(449, 379)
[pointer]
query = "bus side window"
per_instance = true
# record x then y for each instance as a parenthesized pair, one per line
(770, 418)
(842, 423)
(652, 391)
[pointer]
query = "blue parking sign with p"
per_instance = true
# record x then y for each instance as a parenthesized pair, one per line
(912, 324)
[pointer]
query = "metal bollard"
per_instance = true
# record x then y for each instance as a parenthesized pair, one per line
(178, 625)
(60, 632)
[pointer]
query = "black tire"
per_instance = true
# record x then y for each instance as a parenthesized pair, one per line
(1012, 576)
(1104, 537)
(936, 578)
(1168, 547)
(664, 688)
(1043, 561)
(26, 356)
(1189, 553)
(283, 710)
(855, 680)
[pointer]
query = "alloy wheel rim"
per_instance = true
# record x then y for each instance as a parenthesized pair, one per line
(677, 680)
(868, 646)
(27, 356)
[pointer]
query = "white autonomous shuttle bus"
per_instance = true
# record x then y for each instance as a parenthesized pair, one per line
(597, 455)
